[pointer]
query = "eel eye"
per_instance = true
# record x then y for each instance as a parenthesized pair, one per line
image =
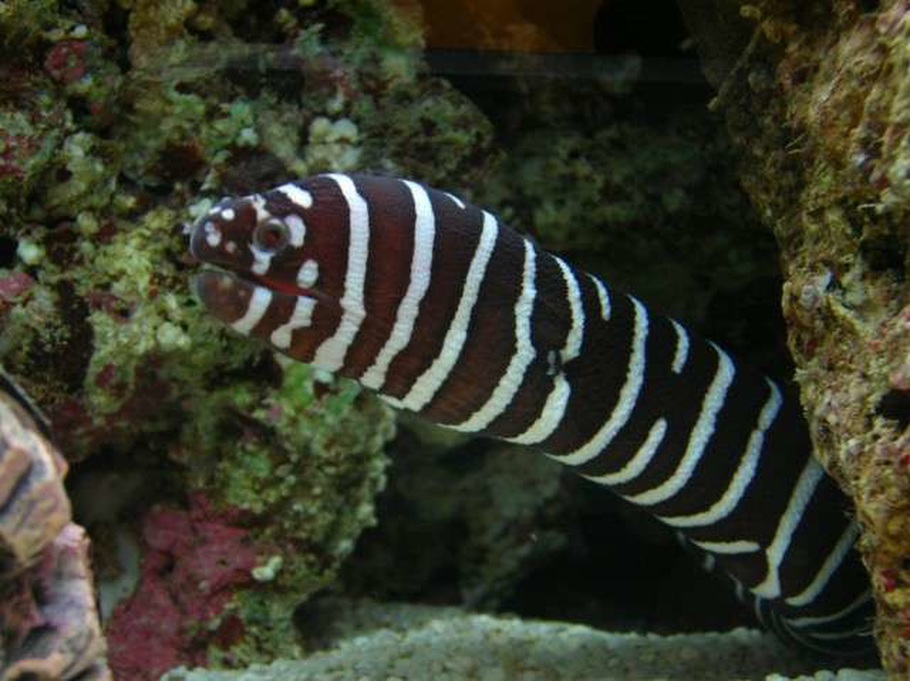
(271, 236)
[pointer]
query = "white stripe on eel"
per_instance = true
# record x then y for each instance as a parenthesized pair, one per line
(554, 408)
(603, 296)
(802, 494)
(429, 382)
(331, 352)
(681, 355)
(639, 461)
(736, 490)
(418, 283)
(729, 547)
(301, 317)
(829, 567)
(817, 620)
(521, 358)
(255, 310)
(297, 195)
(458, 202)
(698, 439)
(628, 395)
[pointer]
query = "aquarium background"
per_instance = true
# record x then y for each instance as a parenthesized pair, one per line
(242, 508)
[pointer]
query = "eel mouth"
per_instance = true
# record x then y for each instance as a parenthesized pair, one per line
(252, 280)
(226, 294)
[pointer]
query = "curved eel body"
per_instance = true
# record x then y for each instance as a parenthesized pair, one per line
(443, 311)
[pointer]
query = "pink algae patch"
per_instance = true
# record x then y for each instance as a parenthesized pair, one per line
(195, 561)
(66, 61)
(14, 285)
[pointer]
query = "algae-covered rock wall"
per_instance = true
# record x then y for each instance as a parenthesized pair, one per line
(221, 488)
(816, 96)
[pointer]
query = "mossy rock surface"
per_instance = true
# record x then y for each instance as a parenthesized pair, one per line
(817, 102)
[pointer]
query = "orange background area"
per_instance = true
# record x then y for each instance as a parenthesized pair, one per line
(510, 25)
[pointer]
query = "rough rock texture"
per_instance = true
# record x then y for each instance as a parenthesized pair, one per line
(34, 507)
(58, 633)
(817, 98)
(49, 626)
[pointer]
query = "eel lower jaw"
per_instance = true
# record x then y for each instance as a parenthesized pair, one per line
(227, 295)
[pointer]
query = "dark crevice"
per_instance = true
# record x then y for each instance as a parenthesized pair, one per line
(651, 29)
(884, 252)
(895, 405)
(8, 247)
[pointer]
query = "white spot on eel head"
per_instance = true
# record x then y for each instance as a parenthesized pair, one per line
(212, 234)
(231, 247)
(258, 203)
(228, 214)
(308, 274)
(296, 230)
(261, 261)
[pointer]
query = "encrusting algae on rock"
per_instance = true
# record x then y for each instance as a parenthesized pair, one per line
(818, 105)
(274, 515)
(116, 117)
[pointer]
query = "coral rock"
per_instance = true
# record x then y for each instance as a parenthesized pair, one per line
(195, 563)
(817, 103)
(48, 619)
(64, 640)
(34, 504)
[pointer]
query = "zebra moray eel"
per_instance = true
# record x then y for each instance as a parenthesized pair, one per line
(443, 311)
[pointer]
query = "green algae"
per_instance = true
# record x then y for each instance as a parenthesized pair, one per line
(151, 318)
(618, 196)
(85, 162)
(585, 189)
(316, 455)
(308, 462)
(126, 122)
(448, 125)
(116, 262)
(23, 21)
(155, 26)
(30, 140)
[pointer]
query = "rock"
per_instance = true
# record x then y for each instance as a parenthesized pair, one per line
(48, 619)
(817, 104)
